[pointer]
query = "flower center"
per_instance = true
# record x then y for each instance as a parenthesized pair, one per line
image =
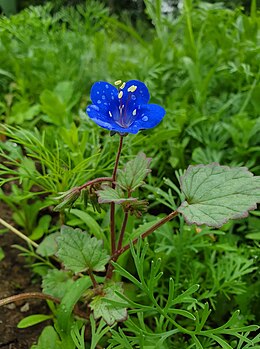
(125, 117)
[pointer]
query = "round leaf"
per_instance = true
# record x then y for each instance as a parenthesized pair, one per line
(215, 194)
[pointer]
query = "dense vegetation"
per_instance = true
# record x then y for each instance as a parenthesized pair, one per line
(203, 67)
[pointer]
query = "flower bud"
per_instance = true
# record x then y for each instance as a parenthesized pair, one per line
(68, 199)
(85, 196)
(94, 202)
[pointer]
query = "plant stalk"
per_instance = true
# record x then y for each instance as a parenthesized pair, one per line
(112, 205)
(92, 277)
(122, 233)
(112, 209)
(18, 233)
(94, 181)
(145, 234)
(37, 295)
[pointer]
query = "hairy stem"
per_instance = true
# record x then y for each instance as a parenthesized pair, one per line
(94, 181)
(112, 205)
(146, 233)
(112, 227)
(92, 277)
(122, 233)
(112, 209)
(37, 295)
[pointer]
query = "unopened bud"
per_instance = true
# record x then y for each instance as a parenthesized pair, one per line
(94, 202)
(68, 199)
(138, 207)
(85, 196)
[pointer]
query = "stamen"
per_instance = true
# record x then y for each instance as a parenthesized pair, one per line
(132, 88)
(134, 112)
(122, 86)
(118, 82)
(120, 94)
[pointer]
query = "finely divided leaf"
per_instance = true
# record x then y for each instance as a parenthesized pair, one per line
(215, 194)
(103, 308)
(132, 176)
(108, 194)
(80, 252)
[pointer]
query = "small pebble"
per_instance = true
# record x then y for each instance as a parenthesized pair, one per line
(25, 307)
(11, 306)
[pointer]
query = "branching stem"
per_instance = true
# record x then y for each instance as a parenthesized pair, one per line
(95, 181)
(145, 234)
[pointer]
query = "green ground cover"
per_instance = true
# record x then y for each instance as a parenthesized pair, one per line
(202, 65)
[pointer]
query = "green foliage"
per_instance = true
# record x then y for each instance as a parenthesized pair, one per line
(215, 194)
(134, 172)
(68, 199)
(164, 310)
(2, 254)
(57, 283)
(49, 246)
(81, 252)
(97, 332)
(202, 66)
(33, 320)
(108, 194)
(48, 339)
(129, 179)
(71, 297)
(57, 104)
(105, 305)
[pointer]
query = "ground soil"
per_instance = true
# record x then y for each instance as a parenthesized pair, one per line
(15, 278)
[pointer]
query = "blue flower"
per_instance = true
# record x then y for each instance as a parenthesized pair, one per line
(123, 110)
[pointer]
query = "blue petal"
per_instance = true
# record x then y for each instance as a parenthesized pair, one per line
(105, 96)
(148, 116)
(134, 94)
(134, 109)
(104, 120)
(100, 118)
(139, 96)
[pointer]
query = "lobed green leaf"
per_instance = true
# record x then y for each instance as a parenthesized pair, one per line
(48, 246)
(81, 252)
(215, 194)
(110, 312)
(108, 194)
(134, 172)
(56, 283)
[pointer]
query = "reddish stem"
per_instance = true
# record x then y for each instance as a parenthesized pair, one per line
(92, 277)
(145, 234)
(112, 227)
(122, 233)
(112, 209)
(94, 181)
(112, 205)
(38, 295)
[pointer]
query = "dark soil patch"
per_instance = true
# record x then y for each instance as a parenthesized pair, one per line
(15, 278)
